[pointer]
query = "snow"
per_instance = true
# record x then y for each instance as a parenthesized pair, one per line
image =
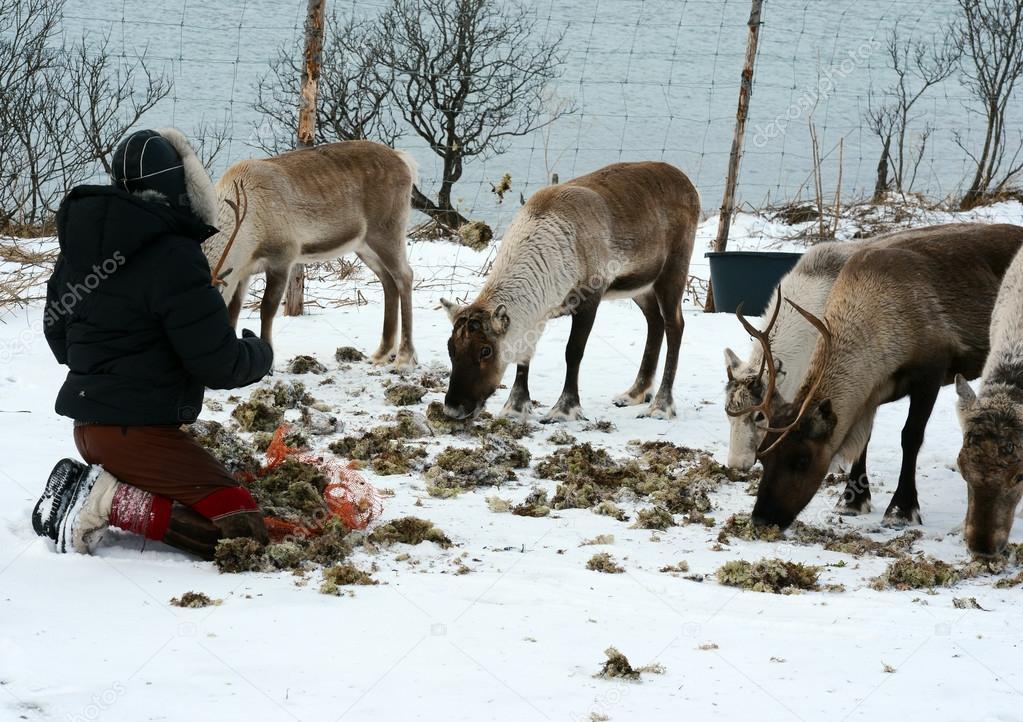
(520, 636)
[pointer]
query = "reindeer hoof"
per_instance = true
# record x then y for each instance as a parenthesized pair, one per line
(853, 508)
(558, 414)
(632, 399)
(896, 517)
(406, 360)
(521, 412)
(659, 411)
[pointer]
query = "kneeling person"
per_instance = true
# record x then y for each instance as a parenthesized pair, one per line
(131, 311)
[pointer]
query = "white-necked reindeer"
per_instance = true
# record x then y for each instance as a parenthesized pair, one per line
(317, 204)
(991, 460)
(791, 340)
(626, 230)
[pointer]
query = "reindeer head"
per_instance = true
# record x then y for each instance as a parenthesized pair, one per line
(477, 361)
(746, 397)
(991, 461)
(795, 461)
(797, 446)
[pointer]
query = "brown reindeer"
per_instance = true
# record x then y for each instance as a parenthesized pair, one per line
(626, 230)
(906, 314)
(317, 204)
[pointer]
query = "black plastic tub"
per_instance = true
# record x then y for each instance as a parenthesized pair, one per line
(747, 277)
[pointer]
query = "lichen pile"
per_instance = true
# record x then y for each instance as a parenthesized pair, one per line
(776, 576)
(676, 480)
(384, 447)
(459, 469)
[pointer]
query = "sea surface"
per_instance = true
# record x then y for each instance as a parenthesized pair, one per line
(650, 79)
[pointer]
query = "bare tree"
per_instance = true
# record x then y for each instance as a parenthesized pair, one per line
(918, 65)
(25, 27)
(991, 40)
(471, 75)
(102, 97)
(63, 108)
(209, 139)
(881, 119)
(353, 98)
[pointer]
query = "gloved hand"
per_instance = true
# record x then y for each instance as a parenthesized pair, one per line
(247, 334)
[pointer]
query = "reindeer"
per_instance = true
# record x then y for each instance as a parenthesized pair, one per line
(317, 204)
(905, 315)
(626, 230)
(991, 458)
(791, 340)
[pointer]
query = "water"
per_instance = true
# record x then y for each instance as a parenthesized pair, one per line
(652, 79)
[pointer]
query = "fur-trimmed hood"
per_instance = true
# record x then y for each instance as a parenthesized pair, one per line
(198, 185)
(160, 165)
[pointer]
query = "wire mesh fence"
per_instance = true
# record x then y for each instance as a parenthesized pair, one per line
(649, 79)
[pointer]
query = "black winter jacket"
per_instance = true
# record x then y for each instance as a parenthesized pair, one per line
(130, 311)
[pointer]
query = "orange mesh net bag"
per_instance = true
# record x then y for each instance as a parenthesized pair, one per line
(349, 497)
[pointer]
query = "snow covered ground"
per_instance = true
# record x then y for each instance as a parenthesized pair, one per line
(521, 635)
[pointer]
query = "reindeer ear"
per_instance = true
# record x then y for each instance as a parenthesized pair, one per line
(732, 363)
(499, 320)
(451, 307)
(967, 398)
(822, 420)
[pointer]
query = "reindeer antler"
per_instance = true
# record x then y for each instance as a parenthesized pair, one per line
(240, 207)
(826, 336)
(766, 361)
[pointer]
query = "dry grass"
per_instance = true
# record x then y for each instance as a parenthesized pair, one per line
(47, 229)
(23, 272)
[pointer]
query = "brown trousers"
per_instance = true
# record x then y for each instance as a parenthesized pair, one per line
(165, 461)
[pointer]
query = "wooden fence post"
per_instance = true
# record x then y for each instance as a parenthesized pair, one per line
(745, 91)
(294, 300)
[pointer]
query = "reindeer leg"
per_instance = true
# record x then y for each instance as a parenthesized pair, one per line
(273, 293)
(639, 393)
(519, 404)
(390, 333)
(403, 279)
(856, 497)
(568, 408)
(668, 290)
(905, 507)
(234, 308)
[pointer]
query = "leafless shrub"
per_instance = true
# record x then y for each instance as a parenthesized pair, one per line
(102, 98)
(991, 42)
(209, 139)
(463, 75)
(63, 108)
(918, 65)
(352, 96)
(471, 74)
